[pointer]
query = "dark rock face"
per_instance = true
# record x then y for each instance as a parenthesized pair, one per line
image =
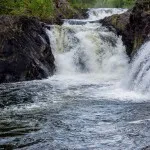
(133, 25)
(140, 23)
(120, 24)
(25, 52)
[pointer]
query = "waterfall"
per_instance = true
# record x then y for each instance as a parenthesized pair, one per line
(85, 105)
(139, 77)
(83, 47)
(100, 13)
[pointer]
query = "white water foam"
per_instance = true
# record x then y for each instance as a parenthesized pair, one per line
(88, 48)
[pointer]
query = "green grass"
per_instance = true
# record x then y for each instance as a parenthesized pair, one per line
(82, 3)
(102, 3)
(115, 3)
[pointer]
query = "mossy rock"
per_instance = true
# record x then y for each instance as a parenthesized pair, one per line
(133, 25)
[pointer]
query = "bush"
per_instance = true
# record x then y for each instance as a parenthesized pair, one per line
(82, 3)
(115, 3)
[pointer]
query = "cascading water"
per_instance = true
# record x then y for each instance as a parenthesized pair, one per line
(83, 106)
(88, 48)
(96, 14)
(139, 77)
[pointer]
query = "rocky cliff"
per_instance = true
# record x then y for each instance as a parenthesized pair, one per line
(25, 52)
(133, 25)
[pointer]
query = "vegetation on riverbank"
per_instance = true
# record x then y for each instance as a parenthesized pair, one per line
(38, 8)
(102, 3)
(117, 3)
(48, 9)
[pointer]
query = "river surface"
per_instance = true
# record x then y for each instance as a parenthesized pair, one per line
(86, 105)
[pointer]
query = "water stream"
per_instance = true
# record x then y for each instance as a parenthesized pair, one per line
(91, 103)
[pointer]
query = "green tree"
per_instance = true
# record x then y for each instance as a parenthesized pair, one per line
(38, 8)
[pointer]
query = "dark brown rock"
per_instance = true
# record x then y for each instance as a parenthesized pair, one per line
(133, 25)
(25, 52)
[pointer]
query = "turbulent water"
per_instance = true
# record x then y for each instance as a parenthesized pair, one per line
(139, 79)
(89, 104)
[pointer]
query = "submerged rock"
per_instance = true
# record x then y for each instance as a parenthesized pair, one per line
(133, 25)
(25, 52)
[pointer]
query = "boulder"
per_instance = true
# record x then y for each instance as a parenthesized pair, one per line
(133, 25)
(25, 52)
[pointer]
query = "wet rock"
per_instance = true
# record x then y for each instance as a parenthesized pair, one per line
(146, 148)
(133, 25)
(25, 52)
(120, 24)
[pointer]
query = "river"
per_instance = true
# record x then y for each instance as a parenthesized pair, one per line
(88, 104)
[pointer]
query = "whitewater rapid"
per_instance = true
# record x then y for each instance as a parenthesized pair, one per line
(90, 54)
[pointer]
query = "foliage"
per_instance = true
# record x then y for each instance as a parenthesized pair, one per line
(46, 9)
(115, 3)
(82, 3)
(102, 3)
(38, 8)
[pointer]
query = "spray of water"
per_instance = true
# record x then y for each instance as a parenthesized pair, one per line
(139, 76)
